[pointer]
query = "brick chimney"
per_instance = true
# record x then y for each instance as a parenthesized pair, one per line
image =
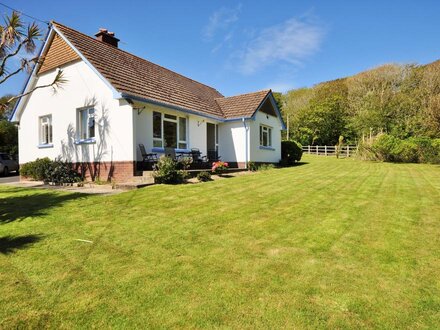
(107, 37)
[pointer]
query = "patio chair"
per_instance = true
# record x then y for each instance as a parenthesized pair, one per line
(197, 157)
(147, 157)
(213, 155)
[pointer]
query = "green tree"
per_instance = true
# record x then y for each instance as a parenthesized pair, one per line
(8, 130)
(18, 40)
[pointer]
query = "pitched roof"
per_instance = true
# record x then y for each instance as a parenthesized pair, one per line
(241, 105)
(135, 76)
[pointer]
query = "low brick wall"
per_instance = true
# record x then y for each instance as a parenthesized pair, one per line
(105, 171)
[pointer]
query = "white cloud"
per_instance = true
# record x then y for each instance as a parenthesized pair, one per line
(225, 41)
(221, 20)
(291, 41)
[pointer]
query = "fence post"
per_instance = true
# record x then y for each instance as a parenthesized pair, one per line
(325, 150)
(348, 151)
(308, 147)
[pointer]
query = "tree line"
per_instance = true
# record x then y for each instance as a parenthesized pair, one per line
(400, 100)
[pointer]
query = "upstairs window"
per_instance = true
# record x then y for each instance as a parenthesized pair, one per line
(265, 136)
(86, 120)
(169, 131)
(46, 130)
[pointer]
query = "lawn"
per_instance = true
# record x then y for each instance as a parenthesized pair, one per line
(328, 244)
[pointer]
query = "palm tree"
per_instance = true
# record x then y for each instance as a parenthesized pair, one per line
(18, 39)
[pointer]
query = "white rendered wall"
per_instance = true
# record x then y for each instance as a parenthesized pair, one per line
(258, 154)
(232, 141)
(114, 119)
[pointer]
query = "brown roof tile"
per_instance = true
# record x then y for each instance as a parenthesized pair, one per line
(241, 105)
(138, 77)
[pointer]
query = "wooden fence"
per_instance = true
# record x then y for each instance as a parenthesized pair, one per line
(345, 151)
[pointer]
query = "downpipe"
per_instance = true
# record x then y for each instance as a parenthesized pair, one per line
(246, 129)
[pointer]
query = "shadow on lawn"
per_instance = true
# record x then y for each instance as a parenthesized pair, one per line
(34, 204)
(10, 244)
(299, 164)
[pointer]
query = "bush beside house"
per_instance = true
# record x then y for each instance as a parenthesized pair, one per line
(50, 171)
(291, 152)
(169, 171)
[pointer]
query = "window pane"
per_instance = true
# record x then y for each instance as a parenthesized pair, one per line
(170, 134)
(157, 125)
(157, 143)
(270, 137)
(91, 127)
(261, 135)
(170, 117)
(45, 134)
(83, 124)
(216, 134)
(182, 129)
(50, 133)
(182, 145)
(264, 138)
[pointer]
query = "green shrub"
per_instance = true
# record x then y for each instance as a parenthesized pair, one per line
(169, 171)
(428, 150)
(291, 152)
(59, 172)
(54, 171)
(265, 167)
(252, 166)
(407, 152)
(436, 154)
(391, 149)
(385, 147)
(204, 176)
(37, 169)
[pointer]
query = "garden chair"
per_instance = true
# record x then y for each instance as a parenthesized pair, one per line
(213, 155)
(147, 157)
(197, 157)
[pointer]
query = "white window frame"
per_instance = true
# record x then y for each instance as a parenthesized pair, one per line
(45, 137)
(90, 115)
(264, 129)
(160, 142)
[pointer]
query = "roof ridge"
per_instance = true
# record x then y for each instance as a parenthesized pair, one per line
(130, 54)
(245, 94)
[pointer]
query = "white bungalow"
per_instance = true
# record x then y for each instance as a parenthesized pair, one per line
(113, 101)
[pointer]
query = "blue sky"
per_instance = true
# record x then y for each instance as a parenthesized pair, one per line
(244, 46)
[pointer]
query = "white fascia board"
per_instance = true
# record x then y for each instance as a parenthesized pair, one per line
(275, 106)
